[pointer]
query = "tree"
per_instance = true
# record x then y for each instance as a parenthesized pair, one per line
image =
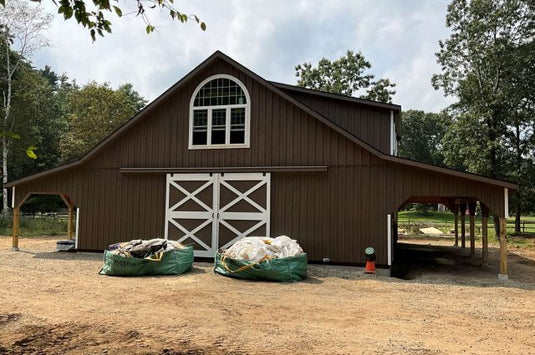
(382, 90)
(21, 27)
(93, 113)
(422, 136)
(37, 113)
(479, 61)
(423, 133)
(346, 76)
(521, 136)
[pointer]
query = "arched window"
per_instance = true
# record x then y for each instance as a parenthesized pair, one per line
(219, 114)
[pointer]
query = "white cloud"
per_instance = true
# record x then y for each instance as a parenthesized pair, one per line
(269, 37)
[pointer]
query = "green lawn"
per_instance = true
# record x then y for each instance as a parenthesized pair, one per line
(411, 221)
(36, 226)
(447, 217)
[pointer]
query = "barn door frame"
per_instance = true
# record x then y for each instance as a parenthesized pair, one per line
(216, 214)
(208, 215)
(263, 216)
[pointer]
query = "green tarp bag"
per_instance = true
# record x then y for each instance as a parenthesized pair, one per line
(284, 269)
(171, 262)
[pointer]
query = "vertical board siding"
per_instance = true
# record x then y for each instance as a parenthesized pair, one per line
(371, 124)
(335, 214)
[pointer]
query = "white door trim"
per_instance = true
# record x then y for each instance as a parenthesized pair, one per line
(262, 215)
(208, 215)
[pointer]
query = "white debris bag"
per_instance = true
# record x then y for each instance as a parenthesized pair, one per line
(262, 258)
(256, 249)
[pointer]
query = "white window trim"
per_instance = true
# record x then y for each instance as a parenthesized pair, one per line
(247, 107)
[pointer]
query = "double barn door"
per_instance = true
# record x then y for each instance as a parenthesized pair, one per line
(212, 211)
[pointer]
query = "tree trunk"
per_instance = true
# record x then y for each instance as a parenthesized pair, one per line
(5, 207)
(518, 167)
(493, 173)
(6, 126)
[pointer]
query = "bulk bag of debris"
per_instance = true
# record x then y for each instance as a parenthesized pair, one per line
(263, 258)
(147, 257)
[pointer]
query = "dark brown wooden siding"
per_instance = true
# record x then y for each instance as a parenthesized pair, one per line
(371, 124)
(333, 214)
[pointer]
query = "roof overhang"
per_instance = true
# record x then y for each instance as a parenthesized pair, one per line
(278, 89)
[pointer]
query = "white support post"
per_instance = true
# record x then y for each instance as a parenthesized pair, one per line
(506, 201)
(389, 237)
(77, 228)
(13, 197)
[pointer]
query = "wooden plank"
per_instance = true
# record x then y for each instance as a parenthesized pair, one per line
(503, 250)
(269, 169)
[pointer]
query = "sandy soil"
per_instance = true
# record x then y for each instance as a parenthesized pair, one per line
(56, 303)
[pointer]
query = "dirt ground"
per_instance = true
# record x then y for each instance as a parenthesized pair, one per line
(56, 303)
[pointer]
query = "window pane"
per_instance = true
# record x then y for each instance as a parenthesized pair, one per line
(219, 120)
(237, 125)
(199, 138)
(200, 127)
(237, 117)
(200, 118)
(218, 92)
(237, 137)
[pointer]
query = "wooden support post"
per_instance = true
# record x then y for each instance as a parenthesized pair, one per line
(15, 229)
(70, 218)
(472, 211)
(70, 223)
(484, 235)
(503, 250)
(456, 212)
(484, 240)
(463, 225)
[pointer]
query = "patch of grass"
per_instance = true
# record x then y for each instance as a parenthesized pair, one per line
(412, 221)
(432, 216)
(30, 226)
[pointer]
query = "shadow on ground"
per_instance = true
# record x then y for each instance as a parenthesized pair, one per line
(64, 255)
(439, 264)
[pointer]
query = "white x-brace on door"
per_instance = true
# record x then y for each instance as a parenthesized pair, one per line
(212, 211)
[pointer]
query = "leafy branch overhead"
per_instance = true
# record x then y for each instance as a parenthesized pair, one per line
(95, 19)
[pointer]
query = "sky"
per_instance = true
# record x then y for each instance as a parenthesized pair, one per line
(399, 39)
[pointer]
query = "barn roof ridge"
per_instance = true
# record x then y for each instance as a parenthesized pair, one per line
(275, 87)
(335, 96)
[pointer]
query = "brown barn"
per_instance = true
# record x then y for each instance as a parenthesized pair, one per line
(224, 154)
